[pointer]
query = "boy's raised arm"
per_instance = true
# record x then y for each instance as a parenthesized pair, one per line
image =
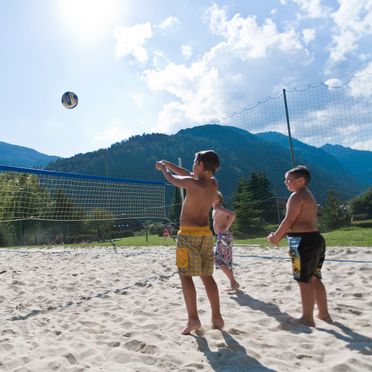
(177, 180)
(175, 168)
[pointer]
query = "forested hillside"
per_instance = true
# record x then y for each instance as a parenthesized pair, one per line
(241, 154)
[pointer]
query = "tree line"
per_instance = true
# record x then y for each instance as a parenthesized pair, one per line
(25, 205)
(258, 208)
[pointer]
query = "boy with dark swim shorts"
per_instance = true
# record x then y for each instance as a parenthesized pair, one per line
(194, 253)
(306, 245)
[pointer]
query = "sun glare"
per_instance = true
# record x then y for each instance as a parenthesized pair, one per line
(90, 20)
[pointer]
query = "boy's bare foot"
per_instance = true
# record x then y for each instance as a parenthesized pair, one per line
(235, 285)
(303, 321)
(192, 325)
(326, 318)
(218, 323)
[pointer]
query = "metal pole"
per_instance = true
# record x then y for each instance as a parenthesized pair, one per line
(288, 128)
(182, 191)
(277, 207)
(106, 162)
(147, 233)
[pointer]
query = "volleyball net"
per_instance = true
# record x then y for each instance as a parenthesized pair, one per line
(40, 206)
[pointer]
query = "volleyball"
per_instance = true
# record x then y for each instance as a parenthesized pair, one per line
(69, 100)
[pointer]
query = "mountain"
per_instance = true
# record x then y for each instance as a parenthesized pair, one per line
(19, 156)
(357, 162)
(330, 171)
(240, 152)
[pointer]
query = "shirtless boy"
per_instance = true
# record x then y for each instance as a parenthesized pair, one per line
(222, 220)
(194, 253)
(306, 245)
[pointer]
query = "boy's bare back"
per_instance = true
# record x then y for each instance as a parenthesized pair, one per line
(200, 193)
(200, 185)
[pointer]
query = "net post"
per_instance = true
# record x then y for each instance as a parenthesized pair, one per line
(277, 207)
(147, 232)
(288, 128)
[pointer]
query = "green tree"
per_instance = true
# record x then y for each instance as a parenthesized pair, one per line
(22, 198)
(260, 188)
(99, 223)
(334, 214)
(66, 218)
(248, 217)
(175, 209)
(361, 206)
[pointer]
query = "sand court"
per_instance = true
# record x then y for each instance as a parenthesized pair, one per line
(93, 309)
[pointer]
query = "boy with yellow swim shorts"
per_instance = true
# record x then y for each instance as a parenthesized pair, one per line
(194, 253)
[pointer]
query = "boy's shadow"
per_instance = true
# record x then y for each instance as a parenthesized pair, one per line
(230, 357)
(354, 340)
(286, 322)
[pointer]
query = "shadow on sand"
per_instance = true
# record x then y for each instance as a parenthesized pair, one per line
(286, 322)
(353, 340)
(231, 356)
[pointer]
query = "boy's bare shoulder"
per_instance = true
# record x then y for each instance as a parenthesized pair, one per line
(301, 196)
(297, 196)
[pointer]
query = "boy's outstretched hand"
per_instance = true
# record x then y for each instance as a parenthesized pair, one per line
(159, 165)
(272, 241)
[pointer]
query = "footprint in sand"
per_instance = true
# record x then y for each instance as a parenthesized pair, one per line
(140, 346)
(71, 358)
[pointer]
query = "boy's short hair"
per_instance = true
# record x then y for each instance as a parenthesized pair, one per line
(210, 160)
(300, 171)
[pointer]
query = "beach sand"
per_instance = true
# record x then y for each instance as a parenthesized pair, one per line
(91, 309)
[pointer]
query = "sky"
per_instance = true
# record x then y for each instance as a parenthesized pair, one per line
(145, 66)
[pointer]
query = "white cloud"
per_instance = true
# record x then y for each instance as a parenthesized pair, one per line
(159, 58)
(342, 43)
(333, 83)
(365, 144)
(139, 98)
(341, 120)
(223, 79)
(308, 35)
(198, 92)
(186, 51)
(248, 39)
(353, 21)
(169, 23)
(131, 41)
(112, 133)
(362, 82)
(312, 8)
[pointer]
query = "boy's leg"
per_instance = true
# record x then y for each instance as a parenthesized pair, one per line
(214, 299)
(321, 300)
(229, 273)
(307, 291)
(189, 294)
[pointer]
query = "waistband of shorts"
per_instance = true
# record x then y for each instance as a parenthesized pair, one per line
(195, 230)
(303, 234)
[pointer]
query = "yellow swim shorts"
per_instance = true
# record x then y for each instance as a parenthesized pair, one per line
(194, 252)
